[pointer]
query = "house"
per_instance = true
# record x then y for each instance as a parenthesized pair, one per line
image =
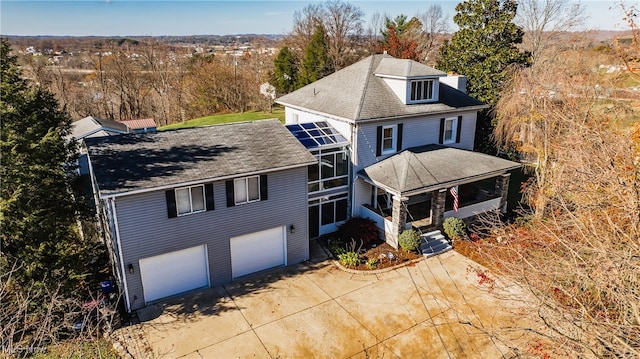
(93, 127)
(198, 207)
(404, 154)
(96, 127)
(384, 138)
(140, 125)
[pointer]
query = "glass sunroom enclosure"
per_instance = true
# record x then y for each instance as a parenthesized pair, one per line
(328, 180)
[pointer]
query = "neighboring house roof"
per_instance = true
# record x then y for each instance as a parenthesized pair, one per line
(433, 166)
(140, 162)
(140, 123)
(96, 127)
(356, 93)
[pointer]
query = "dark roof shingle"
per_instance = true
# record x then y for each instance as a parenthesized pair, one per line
(136, 162)
(433, 166)
(356, 93)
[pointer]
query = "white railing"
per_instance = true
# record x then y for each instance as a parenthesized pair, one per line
(383, 223)
(474, 209)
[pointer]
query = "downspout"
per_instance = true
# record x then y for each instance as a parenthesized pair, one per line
(112, 206)
(354, 163)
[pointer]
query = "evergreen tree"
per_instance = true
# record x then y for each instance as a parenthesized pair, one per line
(285, 71)
(37, 208)
(315, 64)
(400, 37)
(484, 49)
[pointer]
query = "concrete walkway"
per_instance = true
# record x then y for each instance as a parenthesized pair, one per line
(435, 308)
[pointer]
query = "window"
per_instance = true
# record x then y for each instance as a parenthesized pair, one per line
(421, 90)
(389, 139)
(246, 189)
(331, 171)
(450, 130)
(294, 118)
(190, 200)
(327, 210)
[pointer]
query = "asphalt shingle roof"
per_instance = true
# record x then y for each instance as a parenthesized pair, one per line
(135, 162)
(433, 166)
(90, 124)
(356, 93)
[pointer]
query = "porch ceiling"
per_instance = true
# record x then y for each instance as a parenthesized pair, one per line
(426, 168)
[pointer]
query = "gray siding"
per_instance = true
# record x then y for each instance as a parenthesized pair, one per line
(145, 229)
(416, 132)
(361, 195)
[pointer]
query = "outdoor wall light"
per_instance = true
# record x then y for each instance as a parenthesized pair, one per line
(130, 268)
(292, 229)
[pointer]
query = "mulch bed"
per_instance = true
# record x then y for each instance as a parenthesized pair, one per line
(380, 250)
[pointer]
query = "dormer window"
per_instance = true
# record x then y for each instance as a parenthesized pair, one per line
(422, 90)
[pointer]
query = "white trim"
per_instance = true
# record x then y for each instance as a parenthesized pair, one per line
(246, 187)
(410, 78)
(434, 88)
(457, 111)
(322, 114)
(390, 118)
(112, 204)
(285, 240)
(204, 200)
(394, 140)
(454, 130)
(203, 181)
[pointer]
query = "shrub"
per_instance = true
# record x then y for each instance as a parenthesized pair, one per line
(335, 247)
(363, 230)
(349, 259)
(454, 228)
(372, 263)
(409, 240)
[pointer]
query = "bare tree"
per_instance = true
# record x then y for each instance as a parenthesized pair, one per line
(342, 22)
(544, 20)
(435, 26)
(577, 252)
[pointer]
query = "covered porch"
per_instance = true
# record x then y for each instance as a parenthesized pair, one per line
(413, 188)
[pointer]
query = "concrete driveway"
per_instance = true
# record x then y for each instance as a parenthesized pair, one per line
(435, 308)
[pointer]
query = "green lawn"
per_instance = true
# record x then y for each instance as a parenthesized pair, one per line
(227, 118)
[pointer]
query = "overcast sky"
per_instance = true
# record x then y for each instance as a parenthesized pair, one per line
(153, 17)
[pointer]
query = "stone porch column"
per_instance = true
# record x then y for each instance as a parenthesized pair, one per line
(438, 199)
(502, 189)
(398, 220)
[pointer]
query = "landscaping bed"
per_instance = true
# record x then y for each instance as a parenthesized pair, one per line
(375, 256)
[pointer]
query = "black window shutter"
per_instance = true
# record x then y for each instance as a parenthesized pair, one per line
(441, 140)
(263, 188)
(399, 142)
(458, 130)
(379, 141)
(208, 195)
(172, 211)
(230, 197)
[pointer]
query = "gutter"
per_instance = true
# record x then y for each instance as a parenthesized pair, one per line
(204, 180)
(338, 118)
(123, 273)
(439, 185)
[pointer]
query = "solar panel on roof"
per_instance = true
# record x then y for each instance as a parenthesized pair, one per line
(316, 134)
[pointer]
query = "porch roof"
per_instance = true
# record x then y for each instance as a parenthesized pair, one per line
(426, 168)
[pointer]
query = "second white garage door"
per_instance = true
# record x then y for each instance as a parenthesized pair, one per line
(174, 273)
(257, 251)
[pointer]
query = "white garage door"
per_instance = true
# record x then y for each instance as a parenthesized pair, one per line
(257, 251)
(174, 273)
